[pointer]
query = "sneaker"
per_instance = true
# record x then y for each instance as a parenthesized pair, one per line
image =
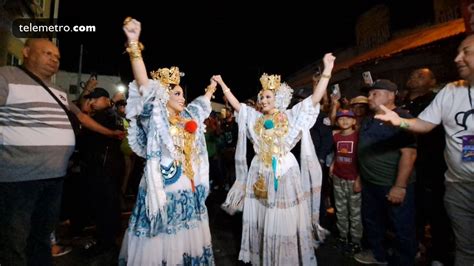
(354, 248)
(341, 243)
(367, 257)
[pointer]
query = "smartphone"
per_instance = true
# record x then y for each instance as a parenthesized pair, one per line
(367, 78)
(336, 91)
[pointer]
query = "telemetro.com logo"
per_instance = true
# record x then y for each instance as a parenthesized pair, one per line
(45, 28)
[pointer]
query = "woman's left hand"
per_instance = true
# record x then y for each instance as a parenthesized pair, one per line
(328, 61)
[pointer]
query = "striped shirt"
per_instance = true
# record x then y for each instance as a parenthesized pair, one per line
(36, 137)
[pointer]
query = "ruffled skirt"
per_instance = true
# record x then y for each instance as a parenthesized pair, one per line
(181, 238)
(277, 230)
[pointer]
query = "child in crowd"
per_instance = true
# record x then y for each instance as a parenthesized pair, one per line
(346, 180)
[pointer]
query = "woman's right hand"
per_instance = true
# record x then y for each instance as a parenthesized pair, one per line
(227, 93)
(132, 29)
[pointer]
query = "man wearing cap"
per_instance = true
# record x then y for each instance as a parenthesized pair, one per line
(95, 101)
(102, 165)
(360, 107)
(386, 160)
(453, 107)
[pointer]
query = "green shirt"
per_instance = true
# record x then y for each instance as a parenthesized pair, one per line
(379, 151)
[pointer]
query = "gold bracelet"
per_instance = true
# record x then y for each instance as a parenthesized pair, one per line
(134, 50)
(212, 89)
(226, 90)
(325, 76)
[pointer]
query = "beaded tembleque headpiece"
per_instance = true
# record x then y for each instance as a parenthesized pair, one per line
(271, 82)
(167, 76)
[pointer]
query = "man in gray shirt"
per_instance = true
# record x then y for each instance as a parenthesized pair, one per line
(453, 107)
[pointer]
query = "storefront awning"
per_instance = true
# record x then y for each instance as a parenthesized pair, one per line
(413, 40)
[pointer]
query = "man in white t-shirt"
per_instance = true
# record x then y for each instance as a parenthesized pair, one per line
(453, 107)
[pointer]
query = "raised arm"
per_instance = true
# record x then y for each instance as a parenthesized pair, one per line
(414, 125)
(91, 124)
(132, 29)
(319, 88)
(230, 97)
(335, 105)
(211, 88)
(90, 85)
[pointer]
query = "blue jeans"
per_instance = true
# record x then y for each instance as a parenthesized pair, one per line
(29, 212)
(377, 210)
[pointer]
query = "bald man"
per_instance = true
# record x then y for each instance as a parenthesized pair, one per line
(36, 141)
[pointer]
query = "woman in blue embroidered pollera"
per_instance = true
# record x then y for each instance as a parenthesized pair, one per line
(169, 224)
(280, 201)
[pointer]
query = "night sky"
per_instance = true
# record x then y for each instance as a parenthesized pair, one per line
(238, 39)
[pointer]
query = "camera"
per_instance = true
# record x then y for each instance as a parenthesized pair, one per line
(336, 91)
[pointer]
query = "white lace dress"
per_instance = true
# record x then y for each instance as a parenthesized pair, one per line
(169, 224)
(282, 229)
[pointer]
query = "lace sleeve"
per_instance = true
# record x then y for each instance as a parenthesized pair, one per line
(139, 110)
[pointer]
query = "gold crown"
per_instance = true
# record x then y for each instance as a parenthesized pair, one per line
(167, 76)
(271, 82)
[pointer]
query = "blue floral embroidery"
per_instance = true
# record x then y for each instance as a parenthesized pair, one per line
(147, 108)
(142, 125)
(206, 258)
(184, 210)
(171, 173)
(198, 108)
(154, 154)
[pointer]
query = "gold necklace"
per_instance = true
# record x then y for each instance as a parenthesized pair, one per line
(271, 130)
(182, 132)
